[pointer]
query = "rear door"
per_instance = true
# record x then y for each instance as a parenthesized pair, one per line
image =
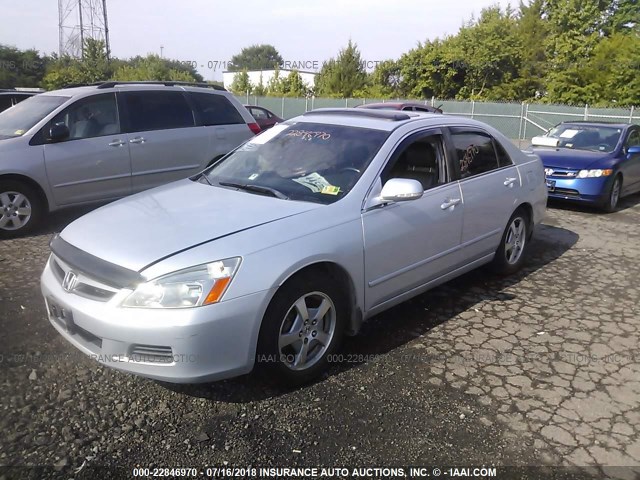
(163, 138)
(490, 185)
(93, 163)
(632, 164)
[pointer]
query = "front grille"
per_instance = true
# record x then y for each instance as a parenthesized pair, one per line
(562, 173)
(85, 287)
(151, 354)
(568, 192)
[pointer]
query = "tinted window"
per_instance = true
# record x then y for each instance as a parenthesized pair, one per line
(214, 109)
(304, 161)
(475, 153)
(634, 138)
(504, 160)
(421, 160)
(91, 117)
(5, 102)
(258, 113)
(158, 110)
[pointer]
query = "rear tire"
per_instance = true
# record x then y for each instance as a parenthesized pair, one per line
(21, 208)
(514, 244)
(303, 325)
(613, 197)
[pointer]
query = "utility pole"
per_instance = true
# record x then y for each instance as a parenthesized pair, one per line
(79, 20)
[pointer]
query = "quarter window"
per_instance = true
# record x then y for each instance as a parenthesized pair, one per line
(215, 109)
(90, 117)
(158, 110)
(475, 153)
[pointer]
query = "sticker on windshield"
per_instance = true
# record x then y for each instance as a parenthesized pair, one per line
(569, 133)
(330, 190)
(18, 132)
(309, 135)
(254, 176)
(267, 135)
(314, 182)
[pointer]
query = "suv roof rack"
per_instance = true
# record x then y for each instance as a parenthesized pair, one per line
(168, 83)
(361, 112)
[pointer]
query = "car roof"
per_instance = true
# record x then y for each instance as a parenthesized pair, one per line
(103, 87)
(387, 120)
(597, 124)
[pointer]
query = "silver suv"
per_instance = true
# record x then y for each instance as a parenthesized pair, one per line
(101, 142)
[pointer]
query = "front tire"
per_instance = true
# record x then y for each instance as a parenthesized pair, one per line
(514, 245)
(613, 197)
(20, 208)
(304, 325)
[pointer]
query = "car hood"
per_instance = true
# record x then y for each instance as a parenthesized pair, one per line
(570, 159)
(142, 229)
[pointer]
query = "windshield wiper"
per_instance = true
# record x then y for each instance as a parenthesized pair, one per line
(256, 188)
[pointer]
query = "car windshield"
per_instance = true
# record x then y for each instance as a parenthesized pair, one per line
(17, 120)
(586, 137)
(303, 161)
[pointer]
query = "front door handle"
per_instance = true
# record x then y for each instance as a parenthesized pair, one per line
(137, 140)
(451, 202)
(117, 143)
(509, 182)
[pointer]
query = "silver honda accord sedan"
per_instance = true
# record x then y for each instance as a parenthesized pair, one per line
(270, 256)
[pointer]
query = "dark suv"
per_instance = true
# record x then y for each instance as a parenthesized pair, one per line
(9, 97)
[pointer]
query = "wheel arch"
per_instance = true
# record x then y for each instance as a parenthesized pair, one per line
(340, 274)
(528, 209)
(31, 183)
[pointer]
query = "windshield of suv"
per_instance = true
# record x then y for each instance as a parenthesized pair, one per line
(586, 137)
(17, 120)
(302, 161)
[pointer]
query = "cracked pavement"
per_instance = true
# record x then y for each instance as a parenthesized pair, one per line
(542, 368)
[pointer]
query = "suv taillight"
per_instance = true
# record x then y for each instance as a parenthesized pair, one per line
(255, 128)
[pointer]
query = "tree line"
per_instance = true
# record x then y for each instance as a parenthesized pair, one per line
(555, 51)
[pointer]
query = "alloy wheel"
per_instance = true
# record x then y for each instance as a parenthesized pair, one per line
(307, 331)
(515, 240)
(15, 210)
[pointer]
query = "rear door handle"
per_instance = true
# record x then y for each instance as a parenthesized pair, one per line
(510, 181)
(451, 202)
(137, 140)
(117, 143)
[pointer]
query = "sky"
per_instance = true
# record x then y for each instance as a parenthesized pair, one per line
(209, 33)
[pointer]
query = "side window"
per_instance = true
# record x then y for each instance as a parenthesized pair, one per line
(634, 139)
(157, 110)
(421, 160)
(215, 109)
(258, 113)
(5, 102)
(475, 153)
(504, 160)
(91, 117)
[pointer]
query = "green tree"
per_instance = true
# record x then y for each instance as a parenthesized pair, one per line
(241, 84)
(384, 81)
(260, 89)
(93, 67)
(343, 75)
(294, 86)
(153, 67)
(21, 68)
(256, 57)
(276, 84)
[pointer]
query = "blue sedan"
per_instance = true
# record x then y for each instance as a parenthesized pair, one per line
(589, 162)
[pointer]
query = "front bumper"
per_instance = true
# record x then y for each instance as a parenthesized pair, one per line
(189, 345)
(585, 190)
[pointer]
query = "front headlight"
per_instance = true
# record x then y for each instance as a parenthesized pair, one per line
(594, 173)
(191, 287)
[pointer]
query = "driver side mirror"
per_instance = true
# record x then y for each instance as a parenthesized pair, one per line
(59, 132)
(401, 190)
(634, 150)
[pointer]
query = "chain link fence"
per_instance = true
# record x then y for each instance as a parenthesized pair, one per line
(517, 121)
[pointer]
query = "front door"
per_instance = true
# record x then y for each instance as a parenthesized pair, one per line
(93, 163)
(408, 244)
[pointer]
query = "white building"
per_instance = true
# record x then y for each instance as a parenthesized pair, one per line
(308, 78)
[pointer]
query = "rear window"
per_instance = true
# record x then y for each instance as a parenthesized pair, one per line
(157, 110)
(214, 109)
